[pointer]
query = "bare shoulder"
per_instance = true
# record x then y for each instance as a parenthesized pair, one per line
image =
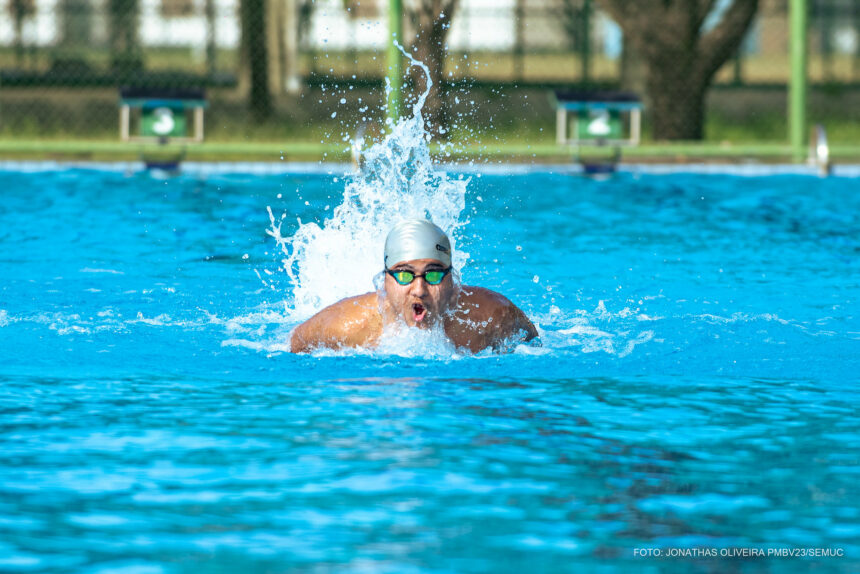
(478, 298)
(350, 322)
(485, 318)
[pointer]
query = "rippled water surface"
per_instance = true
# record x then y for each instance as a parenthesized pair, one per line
(696, 387)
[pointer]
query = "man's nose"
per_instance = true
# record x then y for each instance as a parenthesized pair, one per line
(418, 287)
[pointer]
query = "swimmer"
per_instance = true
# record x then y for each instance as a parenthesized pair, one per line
(418, 291)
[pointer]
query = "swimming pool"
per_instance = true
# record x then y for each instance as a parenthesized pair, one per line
(696, 387)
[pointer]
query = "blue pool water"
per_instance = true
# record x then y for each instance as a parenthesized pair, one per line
(696, 387)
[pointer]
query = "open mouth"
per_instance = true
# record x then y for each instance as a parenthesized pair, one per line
(419, 312)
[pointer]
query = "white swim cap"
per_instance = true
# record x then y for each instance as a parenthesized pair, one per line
(416, 239)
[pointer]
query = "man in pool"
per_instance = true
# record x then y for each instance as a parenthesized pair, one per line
(419, 291)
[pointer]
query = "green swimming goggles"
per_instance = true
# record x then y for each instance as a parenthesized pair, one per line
(432, 277)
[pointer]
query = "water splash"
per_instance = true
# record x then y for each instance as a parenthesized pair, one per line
(326, 262)
(398, 180)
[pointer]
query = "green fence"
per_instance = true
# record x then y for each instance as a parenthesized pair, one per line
(297, 71)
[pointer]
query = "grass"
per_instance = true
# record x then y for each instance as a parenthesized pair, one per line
(680, 152)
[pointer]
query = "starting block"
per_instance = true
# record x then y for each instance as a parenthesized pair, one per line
(611, 119)
(161, 114)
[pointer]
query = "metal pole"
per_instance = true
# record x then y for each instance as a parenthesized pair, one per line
(635, 126)
(561, 126)
(798, 87)
(395, 64)
(123, 122)
(738, 68)
(211, 48)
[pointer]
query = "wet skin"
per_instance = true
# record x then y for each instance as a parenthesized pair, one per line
(473, 318)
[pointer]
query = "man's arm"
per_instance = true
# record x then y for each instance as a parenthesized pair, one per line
(352, 322)
(515, 321)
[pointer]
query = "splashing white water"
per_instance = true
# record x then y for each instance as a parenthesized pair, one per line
(326, 262)
(397, 181)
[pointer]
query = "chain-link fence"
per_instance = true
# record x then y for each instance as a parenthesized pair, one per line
(274, 69)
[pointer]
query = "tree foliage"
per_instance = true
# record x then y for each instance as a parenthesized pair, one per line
(682, 49)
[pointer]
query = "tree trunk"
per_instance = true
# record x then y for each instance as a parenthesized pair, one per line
(432, 20)
(20, 9)
(632, 72)
(681, 55)
(211, 47)
(430, 50)
(126, 57)
(676, 88)
(855, 71)
(255, 60)
(677, 104)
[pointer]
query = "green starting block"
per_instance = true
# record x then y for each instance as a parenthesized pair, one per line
(600, 118)
(161, 114)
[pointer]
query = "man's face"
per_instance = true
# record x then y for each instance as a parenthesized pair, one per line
(419, 304)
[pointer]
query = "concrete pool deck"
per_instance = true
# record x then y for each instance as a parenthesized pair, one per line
(340, 168)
